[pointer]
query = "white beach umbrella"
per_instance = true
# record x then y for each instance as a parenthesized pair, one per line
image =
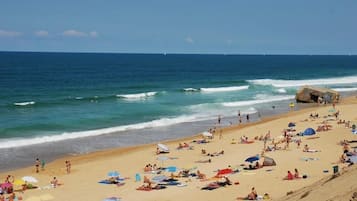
(163, 147)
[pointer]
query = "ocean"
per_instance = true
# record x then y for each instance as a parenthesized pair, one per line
(54, 104)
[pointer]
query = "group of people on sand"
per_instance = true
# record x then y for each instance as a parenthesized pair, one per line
(292, 176)
(149, 168)
(253, 195)
(347, 153)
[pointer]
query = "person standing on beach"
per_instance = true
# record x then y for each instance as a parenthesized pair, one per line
(239, 117)
(37, 165)
(219, 119)
(247, 117)
(68, 166)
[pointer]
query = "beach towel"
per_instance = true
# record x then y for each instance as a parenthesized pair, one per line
(225, 171)
(110, 182)
(170, 183)
(112, 199)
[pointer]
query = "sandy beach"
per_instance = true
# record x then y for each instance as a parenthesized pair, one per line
(87, 170)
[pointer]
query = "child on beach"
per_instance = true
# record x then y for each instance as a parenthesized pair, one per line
(54, 182)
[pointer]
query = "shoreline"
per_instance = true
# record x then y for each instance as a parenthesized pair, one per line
(55, 150)
(122, 150)
(91, 167)
(51, 151)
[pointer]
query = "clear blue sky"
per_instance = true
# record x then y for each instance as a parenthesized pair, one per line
(181, 26)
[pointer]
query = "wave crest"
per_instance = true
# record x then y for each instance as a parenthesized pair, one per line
(224, 89)
(190, 90)
(81, 134)
(137, 96)
(258, 101)
(24, 103)
(345, 89)
(298, 83)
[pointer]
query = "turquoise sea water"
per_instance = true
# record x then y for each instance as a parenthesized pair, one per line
(54, 97)
(49, 94)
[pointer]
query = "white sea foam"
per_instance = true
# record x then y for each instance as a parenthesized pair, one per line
(25, 103)
(298, 83)
(281, 90)
(137, 96)
(81, 134)
(191, 89)
(345, 89)
(262, 99)
(224, 89)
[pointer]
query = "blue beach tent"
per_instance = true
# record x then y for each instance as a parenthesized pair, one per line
(309, 131)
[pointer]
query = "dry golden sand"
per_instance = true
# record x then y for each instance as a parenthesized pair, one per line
(88, 169)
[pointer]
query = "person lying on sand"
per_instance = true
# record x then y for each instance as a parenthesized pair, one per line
(307, 149)
(204, 161)
(216, 153)
(184, 145)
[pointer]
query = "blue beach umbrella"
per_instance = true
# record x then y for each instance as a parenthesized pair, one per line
(113, 174)
(252, 159)
(309, 131)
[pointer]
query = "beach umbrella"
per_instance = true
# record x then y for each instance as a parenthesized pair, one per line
(291, 124)
(163, 148)
(30, 179)
(309, 131)
(113, 174)
(252, 159)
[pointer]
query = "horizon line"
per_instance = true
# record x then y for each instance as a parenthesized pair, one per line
(178, 53)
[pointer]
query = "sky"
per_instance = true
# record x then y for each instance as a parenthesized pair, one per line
(180, 26)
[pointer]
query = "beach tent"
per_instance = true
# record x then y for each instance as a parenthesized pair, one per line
(309, 131)
(268, 161)
(163, 148)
